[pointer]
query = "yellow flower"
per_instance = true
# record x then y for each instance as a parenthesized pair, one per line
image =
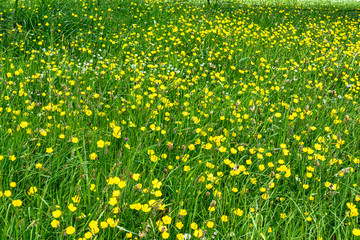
(7, 193)
(265, 196)
(88, 235)
(208, 146)
(136, 176)
(154, 158)
(88, 112)
(233, 150)
(93, 224)
(166, 219)
(184, 113)
(93, 156)
(122, 184)
(116, 193)
(193, 226)
(12, 157)
(75, 140)
(198, 233)
(17, 203)
(49, 150)
(224, 218)
(179, 236)
(13, 184)
(145, 208)
(100, 143)
(70, 230)
(43, 132)
(24, 124)
(356, 232)
(112, 223)
(222, 149)
(76, 199)
(104, 225)
(116, 210)
(72, 208)
(183, 212)
(156, 183)
(32, 190)
(117, 132)
(239, 212)
(261, 167)
(56, 213)
(210, 224)
(112, 201)
(55, 223)
(165, 235)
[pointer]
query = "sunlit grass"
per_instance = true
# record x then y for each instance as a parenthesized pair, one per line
(179, 120)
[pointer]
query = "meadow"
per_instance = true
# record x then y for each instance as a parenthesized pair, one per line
(162, 119)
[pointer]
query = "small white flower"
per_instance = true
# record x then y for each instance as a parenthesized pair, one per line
(187, 236)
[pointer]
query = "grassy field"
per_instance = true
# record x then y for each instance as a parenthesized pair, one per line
(179, 120)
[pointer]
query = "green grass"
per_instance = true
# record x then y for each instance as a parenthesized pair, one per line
(164, 119)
